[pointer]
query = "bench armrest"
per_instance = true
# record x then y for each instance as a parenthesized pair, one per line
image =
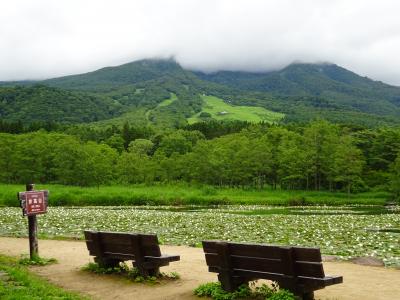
(320, 282)
(168, 258)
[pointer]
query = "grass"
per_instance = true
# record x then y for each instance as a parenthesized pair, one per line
(16, 282)
(164, 103)
(167, 102)
(185, 194)
(36, 261)
(214, 106)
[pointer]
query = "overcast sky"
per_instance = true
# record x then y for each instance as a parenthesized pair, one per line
(49, 38)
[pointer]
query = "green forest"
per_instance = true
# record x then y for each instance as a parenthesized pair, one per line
(305, 127)
(317, 156)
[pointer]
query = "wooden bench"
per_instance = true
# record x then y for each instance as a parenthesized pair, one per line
(296, 269)
(110, 248)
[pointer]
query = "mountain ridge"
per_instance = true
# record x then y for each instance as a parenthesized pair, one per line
(301, 91)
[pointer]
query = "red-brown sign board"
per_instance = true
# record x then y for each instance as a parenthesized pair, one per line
(34, 202)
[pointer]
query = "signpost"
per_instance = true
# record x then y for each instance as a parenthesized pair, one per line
(33, 203)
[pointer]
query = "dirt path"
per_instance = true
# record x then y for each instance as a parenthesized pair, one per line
(360, 282)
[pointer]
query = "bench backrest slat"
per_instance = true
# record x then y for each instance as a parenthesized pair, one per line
(116, 242)
(309, 269)
(254, 250)
(308, 262)
(247, 263)
(292, 261)
(307, 254)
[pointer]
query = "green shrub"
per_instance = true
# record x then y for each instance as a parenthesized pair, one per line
(130, 273)
(282, 295)
(299, 201)
(215, 291)
(204, 114)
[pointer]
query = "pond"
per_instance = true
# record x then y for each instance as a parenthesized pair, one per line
(346, 232)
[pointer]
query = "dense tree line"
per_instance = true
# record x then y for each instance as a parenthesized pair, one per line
(20, 127)
(41, 103)
(318, 156)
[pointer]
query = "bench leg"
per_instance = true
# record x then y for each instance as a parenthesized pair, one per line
(142, 271)
(107, 262)
(154, 272)
(146, 272)
(308, 296)
(230, 283)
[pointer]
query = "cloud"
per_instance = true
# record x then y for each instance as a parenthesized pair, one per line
(44, 38)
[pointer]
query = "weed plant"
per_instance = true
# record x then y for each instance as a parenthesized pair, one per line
(36, 261)
(130, 273)
(215, 291)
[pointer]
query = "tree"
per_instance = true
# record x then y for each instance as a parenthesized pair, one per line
(87, 164)
(348, 163)
(292, 161)
(320, 138)
(141, 146)
(8, 147)
(175, 142)
(115, 141)
(33, 157)
(136, 168)
(395, 178)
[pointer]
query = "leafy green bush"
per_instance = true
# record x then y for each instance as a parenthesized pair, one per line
(215, 291)
(282, 295)
(299, 201)
(130, 273)
(204, 114)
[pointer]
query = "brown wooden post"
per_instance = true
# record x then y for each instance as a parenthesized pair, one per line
(32, 225)
(225, 272)
(139, 257)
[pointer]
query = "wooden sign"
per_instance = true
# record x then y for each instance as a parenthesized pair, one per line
(34, 202)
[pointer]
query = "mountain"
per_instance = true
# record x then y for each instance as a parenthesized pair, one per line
(112, 77)
(327, 83)
(162, 93)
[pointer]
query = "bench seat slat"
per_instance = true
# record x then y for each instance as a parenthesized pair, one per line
(317, 283)
(121, 256)
(320, 282)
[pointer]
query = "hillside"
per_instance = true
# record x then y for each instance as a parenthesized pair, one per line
(217, 109)
(43, 103)
(137, 91)
(318, 85)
